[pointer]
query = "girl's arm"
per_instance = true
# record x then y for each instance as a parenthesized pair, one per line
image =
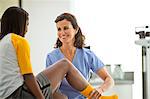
(33, 86)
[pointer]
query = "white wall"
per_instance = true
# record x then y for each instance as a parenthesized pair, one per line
(4, 4)
(109, 27)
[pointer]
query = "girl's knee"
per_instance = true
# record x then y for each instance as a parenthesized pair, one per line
(65, 60)
(66, 63)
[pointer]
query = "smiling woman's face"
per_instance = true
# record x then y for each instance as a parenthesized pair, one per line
(65, 31)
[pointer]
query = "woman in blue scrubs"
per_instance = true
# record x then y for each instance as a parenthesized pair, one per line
(70, 45)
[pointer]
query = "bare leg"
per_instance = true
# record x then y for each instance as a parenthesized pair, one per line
(63, 68)
(59, 95)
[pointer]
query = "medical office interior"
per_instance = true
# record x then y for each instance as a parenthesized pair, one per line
(112, 29)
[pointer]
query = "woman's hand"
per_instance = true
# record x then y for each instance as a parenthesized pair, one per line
(96, 93)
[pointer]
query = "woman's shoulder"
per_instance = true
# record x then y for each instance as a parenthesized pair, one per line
(54, 51)
(54, 55)
(86, 51)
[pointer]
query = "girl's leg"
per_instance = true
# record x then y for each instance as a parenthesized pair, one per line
(59, 95)
(64, 68)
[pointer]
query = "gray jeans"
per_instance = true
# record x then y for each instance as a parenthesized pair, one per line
(23, 92)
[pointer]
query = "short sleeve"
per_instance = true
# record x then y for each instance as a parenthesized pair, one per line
(95, 63)
(48, 61)
(23, 53)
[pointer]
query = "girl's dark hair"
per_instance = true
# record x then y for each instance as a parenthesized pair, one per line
(14, 21)
(79, 37)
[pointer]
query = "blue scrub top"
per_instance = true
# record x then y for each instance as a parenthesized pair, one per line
(84, 60)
